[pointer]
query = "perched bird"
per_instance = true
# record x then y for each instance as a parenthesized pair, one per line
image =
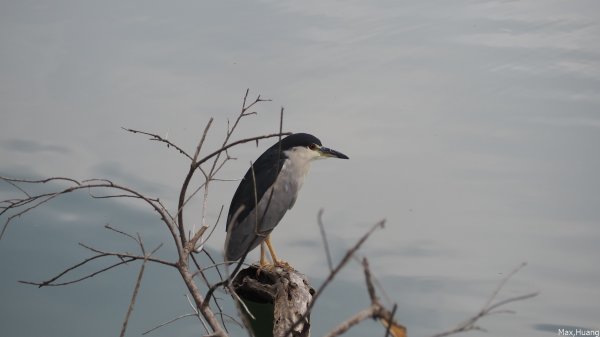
(267, 191)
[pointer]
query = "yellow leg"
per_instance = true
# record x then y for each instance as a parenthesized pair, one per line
(263, 256)
(276, 261)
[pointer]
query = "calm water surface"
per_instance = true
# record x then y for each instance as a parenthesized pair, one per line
(473, 128)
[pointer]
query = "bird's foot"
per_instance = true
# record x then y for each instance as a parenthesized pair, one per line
(267, 266)
(282, 264)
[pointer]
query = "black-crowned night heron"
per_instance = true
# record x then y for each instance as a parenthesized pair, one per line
(267, 191)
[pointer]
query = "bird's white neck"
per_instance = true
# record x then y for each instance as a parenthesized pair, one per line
(297, 163)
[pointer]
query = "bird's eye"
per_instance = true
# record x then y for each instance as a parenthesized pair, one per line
(312, 147)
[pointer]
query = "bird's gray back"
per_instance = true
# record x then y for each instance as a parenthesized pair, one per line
(248, 225)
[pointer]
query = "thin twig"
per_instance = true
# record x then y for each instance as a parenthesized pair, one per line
(243, 305)
(197, 313)
(324, 237)
(334, 272)
(39, 181)
(375, 310)
(352, 321)
(169, 322)
(158, 138)
(390, 322)
(38, 200)
(489, 307)
(345, 260)
(369, 280)
(136, 289)
(184, 187)
(502, 283)
(200, 271)
(238, 142)
(50, 284)
(109, 227)
(134, 257)
(213, 229)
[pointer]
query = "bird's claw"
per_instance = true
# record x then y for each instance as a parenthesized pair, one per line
(266, 266)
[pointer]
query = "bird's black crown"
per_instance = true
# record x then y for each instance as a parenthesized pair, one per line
(298, 139)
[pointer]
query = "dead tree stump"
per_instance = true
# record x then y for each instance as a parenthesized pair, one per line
(277, 298)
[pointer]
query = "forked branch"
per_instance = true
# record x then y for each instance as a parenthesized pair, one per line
(490, 307)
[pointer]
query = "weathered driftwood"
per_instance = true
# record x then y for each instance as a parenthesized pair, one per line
(277, 298)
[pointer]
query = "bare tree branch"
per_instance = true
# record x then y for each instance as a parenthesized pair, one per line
(335, 271)
(489, 307)
(169, 322)
(376, 311)
(118, 231)
(43, 198)
(186, 182)
(130, 256)
(324, 237)
(345, 260)
(137, 286)
(50, 283)
(352, 321)
(159, 139)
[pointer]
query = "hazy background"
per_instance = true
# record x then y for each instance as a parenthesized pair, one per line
(473, 127)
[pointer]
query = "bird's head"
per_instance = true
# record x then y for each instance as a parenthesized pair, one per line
(307, 146)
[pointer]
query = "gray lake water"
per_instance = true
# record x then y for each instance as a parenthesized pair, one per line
(472, 127)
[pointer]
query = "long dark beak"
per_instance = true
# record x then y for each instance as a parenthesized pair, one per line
(327, 152)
